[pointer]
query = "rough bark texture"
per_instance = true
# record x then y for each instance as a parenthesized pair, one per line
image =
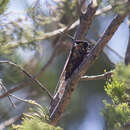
(85, 21)
(71, 83)
(62, 96)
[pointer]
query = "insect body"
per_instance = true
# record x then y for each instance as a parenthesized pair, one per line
(79, 51)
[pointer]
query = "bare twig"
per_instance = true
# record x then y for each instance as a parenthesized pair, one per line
(97, 77)
(85, 19)
(5, 90)
(15, 88)
(28, 75)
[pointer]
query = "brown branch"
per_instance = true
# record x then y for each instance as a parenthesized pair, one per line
(15, 88)
(97, 77)
(57, 106)
(71, 83)
(5, 90)
(85, 21)
(28, 75)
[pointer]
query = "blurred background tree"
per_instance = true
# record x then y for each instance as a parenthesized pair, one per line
(30, 35)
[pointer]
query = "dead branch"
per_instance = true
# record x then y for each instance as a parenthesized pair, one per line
(15, 88)
(29, 75)
(5, 90)
(97, 77)
(71, 83)
(58, 105)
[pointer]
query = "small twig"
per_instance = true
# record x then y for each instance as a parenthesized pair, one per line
(32, 102)
(5, 90)
(28, 75)
(97, 77)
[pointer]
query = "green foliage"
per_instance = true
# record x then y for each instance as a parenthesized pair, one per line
(117, 114)
(3, 4)
(37, 119)
(116, 90)
(34, 124)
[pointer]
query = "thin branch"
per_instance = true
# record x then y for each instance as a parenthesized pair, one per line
(97, 77)
(16, 88)
(28, 75)
(5, 90)
(104, 10)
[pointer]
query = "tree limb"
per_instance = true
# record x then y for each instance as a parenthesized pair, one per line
(59, 103)
(97, 77)
(71, 83)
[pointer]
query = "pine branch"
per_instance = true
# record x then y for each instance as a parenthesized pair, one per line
(97, 77)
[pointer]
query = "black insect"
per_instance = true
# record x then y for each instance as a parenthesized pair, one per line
(79, 51)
